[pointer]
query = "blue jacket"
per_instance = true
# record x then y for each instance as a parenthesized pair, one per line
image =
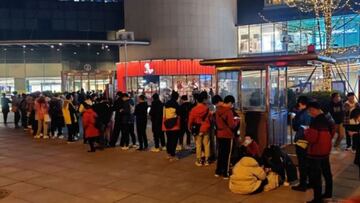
(301, 118)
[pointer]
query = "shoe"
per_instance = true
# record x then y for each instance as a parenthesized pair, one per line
(353, 151)
(53, 137)
(140, 149)
(163, 148)
(286, 184)
(61, 137)
(217, 175)
(179, 148)
(155, 150)
(226, 177)
(92, 150)
(198, 162)
(348, 149)
(125, 148)
(206, 163)
(46, 137)
(173, 159)
(37, 136)
(299, 188)
(70, 142)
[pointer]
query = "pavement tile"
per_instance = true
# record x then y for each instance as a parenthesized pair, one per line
(138, 199)
(21, 188)
(105, 195)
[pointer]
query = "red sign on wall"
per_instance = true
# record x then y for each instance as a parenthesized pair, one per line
(161, 68)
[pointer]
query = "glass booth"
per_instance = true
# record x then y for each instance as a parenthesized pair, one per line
(259, 85)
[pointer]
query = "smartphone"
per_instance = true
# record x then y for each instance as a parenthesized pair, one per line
(237, 118)
(304, 126)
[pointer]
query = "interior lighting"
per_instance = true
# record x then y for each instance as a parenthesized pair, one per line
(52, 46)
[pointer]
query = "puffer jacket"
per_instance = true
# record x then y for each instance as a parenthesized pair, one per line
(247, 176)
(89, 119)
(200, 115)
(171, 110)
(69, 113)
(225, 122)
(319, 135)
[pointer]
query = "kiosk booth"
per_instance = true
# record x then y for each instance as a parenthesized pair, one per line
(259, 85)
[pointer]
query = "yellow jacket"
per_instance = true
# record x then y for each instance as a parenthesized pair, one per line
(247, 176)
(69, 117)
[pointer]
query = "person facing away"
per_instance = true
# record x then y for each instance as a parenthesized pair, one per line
(42, 111)
(156, 115)
(141, 111)
(125, 120)
(199, 121)
(225, 124)
(70, 118)
(301, 120)
(171, 125)
(117, 125)
(56, 115)
(319, 136)
(185, 108)
(23, 113)
(91, 131)
(336, 110)
(349, 106)
(5, 108)
(15, 107)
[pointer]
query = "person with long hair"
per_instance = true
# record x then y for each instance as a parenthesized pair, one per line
(42, 112)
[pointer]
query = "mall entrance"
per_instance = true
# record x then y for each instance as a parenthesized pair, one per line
(73, 81)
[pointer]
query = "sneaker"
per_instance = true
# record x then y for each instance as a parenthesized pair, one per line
(217, 175)
(198, 162)
(173, 159)
(286, 184)
(70, 142)
(348, 149)
(155, 150)
(163, 148)
(226, 177)
(46, 137)
(37, 136)
(54, 137)
(61, 137)
(178, 148)
(125, 148)
(353, 151)
(206, 163)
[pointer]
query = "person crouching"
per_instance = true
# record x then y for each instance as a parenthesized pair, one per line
(91, 131)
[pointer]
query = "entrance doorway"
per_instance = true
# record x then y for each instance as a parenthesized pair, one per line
(73, 81)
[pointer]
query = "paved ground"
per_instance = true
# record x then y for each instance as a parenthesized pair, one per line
(46, 171)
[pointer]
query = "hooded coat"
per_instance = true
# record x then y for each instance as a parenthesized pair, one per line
(225, 122)
(200, 115)
(247, 176)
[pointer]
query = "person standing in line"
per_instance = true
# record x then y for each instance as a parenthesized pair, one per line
(337, 112)
(141, 110)
(5, 108)
(42, 111)
(199, 124)
(70, 119)
(103, 111)
(171, 125)
(15, 104)
(125, 116)
(91, 132)
(117, 125)
(185, 108)
(301, 119)
(57, 119)
(319, 136)
(23, 112)
(132, 102)
(225, 123)
(216, 101)
(156, 114)
(349, 106)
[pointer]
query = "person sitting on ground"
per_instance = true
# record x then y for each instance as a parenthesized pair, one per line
(248, 177)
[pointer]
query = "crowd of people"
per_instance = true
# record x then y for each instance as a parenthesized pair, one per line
(210, 125)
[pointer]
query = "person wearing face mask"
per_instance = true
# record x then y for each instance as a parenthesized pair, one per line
(225, 123)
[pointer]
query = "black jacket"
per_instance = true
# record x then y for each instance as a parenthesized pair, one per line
(103, 111)
(141, 113)
(185, 109)
(125, 114)
(156, 113)
(337, 112)
(116, 107)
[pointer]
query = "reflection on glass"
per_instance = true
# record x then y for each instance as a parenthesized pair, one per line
(165, 87)
(243, 39)
(7, 85)
(205, 82)
(253, 90)
(228, 84)
(181, 85)
(255, 38)
(267, 37)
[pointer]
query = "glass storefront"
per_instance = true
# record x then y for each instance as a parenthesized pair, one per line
(35, 84)
(296, 35)
(163, 85)
(89, 81)
(7, 85)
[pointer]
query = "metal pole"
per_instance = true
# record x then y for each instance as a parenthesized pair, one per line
(126, 68)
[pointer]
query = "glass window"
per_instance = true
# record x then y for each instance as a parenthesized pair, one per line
(338, 32)
(205, 82)
(243, 33)
(7, 85)
(255, 40)
(320, 37)
(52, 84)
(228, 85)
(165, 87)
(180, 85)
(294, 33)
(267, 31)
(274, 87)
(308, 28)
(253, 90)
(279, 33)
(352, 23)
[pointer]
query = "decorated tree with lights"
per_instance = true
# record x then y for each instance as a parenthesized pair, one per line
(324, 9)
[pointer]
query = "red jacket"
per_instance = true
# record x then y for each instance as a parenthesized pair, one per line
(253, 149)
(89, 119)
(225, 122)
(200, 115)
(319, 136)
